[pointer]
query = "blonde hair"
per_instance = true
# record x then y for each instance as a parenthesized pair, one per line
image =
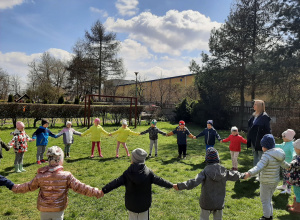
(260, 107)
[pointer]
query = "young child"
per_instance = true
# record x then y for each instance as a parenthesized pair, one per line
(41, 135)
(123, 133)
(213, 179)
(288, 148)
(96, 132)
(235, 145)
(153, 131)
(269, 166)
(181, 132)
(6, 182)
(137, 179)
(19, 142)
(54, 184)
(210, 134)
(3, 145)
(294, 178)
(68, 139)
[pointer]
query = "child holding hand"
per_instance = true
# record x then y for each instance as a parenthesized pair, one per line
(19, 143)
(123, 133)
(235, 145)
(210, 134)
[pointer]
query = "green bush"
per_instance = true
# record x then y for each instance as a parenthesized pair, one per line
(76, 100)
(61, 100)
(10, 98)
(183, 111)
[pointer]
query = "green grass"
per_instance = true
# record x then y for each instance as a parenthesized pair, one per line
(242, 198)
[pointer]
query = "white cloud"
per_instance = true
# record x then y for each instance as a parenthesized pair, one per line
(132, 50)
(127, 7)
(173, 33)
(102, 12)
(5, 4)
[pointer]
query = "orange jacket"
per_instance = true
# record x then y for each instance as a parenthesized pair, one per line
(54, 184)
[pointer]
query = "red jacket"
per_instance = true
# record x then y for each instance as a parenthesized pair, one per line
(235, 142)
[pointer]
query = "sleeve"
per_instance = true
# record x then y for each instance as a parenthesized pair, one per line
(267, 126)
(26, 187)
(161, 182)
(28, 138)
(218, 136)
(145, 132)
(260, 166)
(116, 132)
(12, 142)
(37, 132)
(82, 188)
(285, 165)
(51, 134)
(244, 141)
(133, 133)
(6, 182)
(201, 134)
(114, 184)
(192, 183)
(293, 153)
(76, 132)
(60, 133)
(234, 175)
(161, 132)
(279, 145)
(86, 132)
(104, 132)
(3, 145)
(227, 139)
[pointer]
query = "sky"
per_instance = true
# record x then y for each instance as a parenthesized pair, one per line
(158, 38)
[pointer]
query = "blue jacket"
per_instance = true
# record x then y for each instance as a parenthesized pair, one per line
(6, 182)
(41, 135)
(210, 136)
(181, 134)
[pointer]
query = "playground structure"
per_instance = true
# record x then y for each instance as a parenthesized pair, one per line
(87, 107)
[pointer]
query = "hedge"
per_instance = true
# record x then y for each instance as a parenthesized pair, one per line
(38, 111)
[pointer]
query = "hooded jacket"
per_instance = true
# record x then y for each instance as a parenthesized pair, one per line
(6, 182)
(269, 166)
(153, 131)
(213, 179)
(68, 135)
(210, 136)
(235, 142)
(123, 134)
(288, 149)
(96, 132)
(41, 135)
(257, 129)
(19, 141)
(3, 145)
(54, 184)
(138, 179)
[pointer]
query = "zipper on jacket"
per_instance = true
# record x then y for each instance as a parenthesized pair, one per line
(207, 137)
(256, 137)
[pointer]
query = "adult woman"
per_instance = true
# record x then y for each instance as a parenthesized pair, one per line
(258, 126)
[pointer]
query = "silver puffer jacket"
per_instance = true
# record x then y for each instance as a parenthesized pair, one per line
(269, 166)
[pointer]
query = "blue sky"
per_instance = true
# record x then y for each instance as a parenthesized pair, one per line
(158, 37)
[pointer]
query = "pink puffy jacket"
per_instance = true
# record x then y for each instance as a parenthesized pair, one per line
(54, 184)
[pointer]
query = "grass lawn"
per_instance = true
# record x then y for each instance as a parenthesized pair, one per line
(242, 198)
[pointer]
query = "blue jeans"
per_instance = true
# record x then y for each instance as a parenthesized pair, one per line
(256, 156)
(208, 146)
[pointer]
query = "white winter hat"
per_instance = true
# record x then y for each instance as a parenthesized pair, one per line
(234, 128)
(124, 122)
(68, 122)
(289, 134)
(296, 144)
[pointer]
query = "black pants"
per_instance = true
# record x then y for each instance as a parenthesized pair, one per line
(182, 149)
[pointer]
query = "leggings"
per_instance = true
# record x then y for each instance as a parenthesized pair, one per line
(19, 158)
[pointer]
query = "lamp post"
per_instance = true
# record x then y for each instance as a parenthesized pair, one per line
(136, 73)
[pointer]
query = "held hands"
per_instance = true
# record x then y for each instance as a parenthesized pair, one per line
(175, 187)
(221, 141)
(109, 134)
(247, 175)
(194, 137)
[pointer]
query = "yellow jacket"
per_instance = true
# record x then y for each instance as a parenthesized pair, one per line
(96, 133)
(123, 134)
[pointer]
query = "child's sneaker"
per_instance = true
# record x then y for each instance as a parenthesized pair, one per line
(100, 155)
(283, 187)
(149, 155)
(117, 156)
(128, 155)
(92, 156)
(43, 161)
(39, 162)
(155, 155)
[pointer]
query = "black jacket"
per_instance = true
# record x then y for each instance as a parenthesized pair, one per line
(257, 130)
(137, 179)
(3, 145)
(153, 131)
(6, 182)
(210, 136)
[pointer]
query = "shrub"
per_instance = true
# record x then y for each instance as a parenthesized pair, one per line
(10, 98)
(183, 111)
(76, 100)
(61, 100)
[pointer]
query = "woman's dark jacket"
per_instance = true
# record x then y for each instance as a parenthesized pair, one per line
(257, 129)
(137, 179)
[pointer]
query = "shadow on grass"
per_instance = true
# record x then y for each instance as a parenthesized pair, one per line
(280, 201)
(245, 189)
(195, 166)
(88, 158)
(289, 217)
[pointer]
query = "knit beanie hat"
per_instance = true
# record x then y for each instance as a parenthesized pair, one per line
(124, 122)
(68, 123)
(212, 155)
(154, 122)
(97, 120)
(138, 155)
(296, 144)
(55, 156)
(44, 121)
(211, 122)
(234, 128)
(289, 134)
(268, 141)
(20, 125)
(181, 122)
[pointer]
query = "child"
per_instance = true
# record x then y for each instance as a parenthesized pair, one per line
(235, 145)
(213, 179)
(294, 178)
(123, 133)
(3, 145)
(269, 166)
(153, 131)
(41, 135)
(210, 134)
(19, 142)
(96, 131)
(181, 132)
(68, 139)
(54, 184)
(137, 179)
(6, 182)
(288, 148)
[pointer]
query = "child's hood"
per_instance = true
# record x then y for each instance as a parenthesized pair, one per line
(276, 153)
(215, 171)
(138, 172)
